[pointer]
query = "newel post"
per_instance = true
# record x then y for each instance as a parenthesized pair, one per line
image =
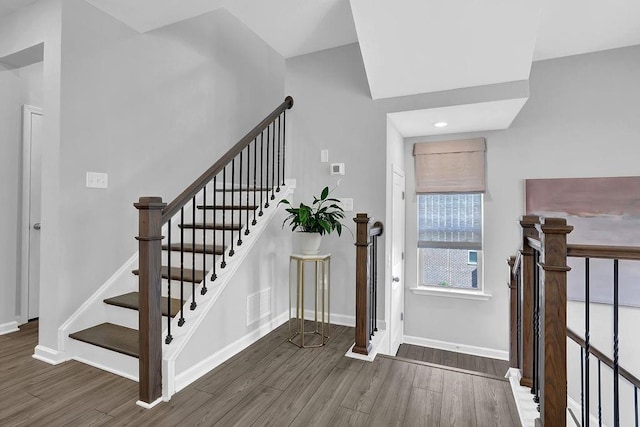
(528, 224)
(513, 315)
(362, 344)
(553, 328)
(149, 284)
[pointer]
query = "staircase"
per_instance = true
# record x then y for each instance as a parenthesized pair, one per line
(185, 262)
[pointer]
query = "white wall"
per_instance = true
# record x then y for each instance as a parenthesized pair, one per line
(27, 27)
(580, 121)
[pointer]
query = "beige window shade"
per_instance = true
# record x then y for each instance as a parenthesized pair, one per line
(450, 166)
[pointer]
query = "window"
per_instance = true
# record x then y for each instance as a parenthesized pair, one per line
(450, 240)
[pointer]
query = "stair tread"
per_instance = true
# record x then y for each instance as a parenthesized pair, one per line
(197, 248)
(131, 300)
(217, 226)
(230, 207)
(175, 274)
(110, 336)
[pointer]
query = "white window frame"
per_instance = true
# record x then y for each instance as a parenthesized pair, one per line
(453, 292)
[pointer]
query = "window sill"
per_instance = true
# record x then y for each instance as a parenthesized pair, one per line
(451, 293)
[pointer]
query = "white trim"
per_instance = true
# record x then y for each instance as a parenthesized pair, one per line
(146, 405)
(377, 343)
(522, 395)
(339, 319)
(105, 368)
(25, 223)
(192, 374)
(48, 355)
(575, 406)
(458, 348)
(7, 328)
(451, 293)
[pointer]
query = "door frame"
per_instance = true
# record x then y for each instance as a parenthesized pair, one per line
(389, 279)
(25, 221)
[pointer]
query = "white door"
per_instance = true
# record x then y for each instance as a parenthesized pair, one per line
(32, 161)
(397, 261)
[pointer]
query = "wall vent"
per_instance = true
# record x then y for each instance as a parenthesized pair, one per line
(258, 306)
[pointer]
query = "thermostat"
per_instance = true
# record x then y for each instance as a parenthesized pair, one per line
(337, 168)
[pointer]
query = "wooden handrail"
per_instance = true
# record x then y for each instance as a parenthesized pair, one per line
(602, 357)
(376, 229)
(605, 252)
(197, 185)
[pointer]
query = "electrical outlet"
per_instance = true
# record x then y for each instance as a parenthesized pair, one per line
(97, 180)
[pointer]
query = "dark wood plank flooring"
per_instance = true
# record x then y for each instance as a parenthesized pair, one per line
(468, 362)
(271, 383)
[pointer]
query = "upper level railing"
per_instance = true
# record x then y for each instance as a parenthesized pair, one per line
(235, 190)
(366, 281)
(538, 339)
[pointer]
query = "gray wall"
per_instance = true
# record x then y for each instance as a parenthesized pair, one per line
(577, 115)
(581, 120)
(334, 110)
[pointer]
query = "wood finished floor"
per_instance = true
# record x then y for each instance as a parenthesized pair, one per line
(468, 362)
(271, 383)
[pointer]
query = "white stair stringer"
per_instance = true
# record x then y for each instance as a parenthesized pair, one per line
(94, 311)
(205, 340)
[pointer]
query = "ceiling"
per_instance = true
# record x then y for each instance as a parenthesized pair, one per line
(416, 46)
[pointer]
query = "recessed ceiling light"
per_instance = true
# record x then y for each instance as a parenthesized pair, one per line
(440, 124)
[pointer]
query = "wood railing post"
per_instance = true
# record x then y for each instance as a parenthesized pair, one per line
(553, 327)
(528, 224)
(149, 282)
(362, 344)
(513, 315)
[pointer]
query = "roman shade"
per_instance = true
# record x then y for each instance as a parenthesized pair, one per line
(450, 166)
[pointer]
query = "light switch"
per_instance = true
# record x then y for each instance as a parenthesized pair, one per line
(97, 180)
(324, 156)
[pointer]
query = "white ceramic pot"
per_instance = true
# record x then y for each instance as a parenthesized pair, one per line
(309, 243)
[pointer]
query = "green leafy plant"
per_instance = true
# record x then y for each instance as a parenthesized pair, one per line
(323, 216)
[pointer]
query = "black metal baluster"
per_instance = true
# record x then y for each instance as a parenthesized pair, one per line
(582, 384)
(214, 276)
(370, 291)
(181, 320)
(273, 160)
(599, 395)
(284, 140)
(375, 284)
(616, 367)
(204, 289)
(279, 136)
(193, 254)
(240, 203)
(255, 181)
(261, 170)
(519, 317)
(246, 231)
(223, 264)
(233, 194)
(169, 337)
(635, 399)
(587, 346)
(266, 205)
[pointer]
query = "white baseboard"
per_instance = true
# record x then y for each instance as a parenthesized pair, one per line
(575, 406)
(340, 319)
(146, 405)
(192, 374)
(48, 355)
(376, 347)
(7, 328)
(524, 402)
(458, 348)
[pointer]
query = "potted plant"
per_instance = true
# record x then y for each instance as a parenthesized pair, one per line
(322, 217)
